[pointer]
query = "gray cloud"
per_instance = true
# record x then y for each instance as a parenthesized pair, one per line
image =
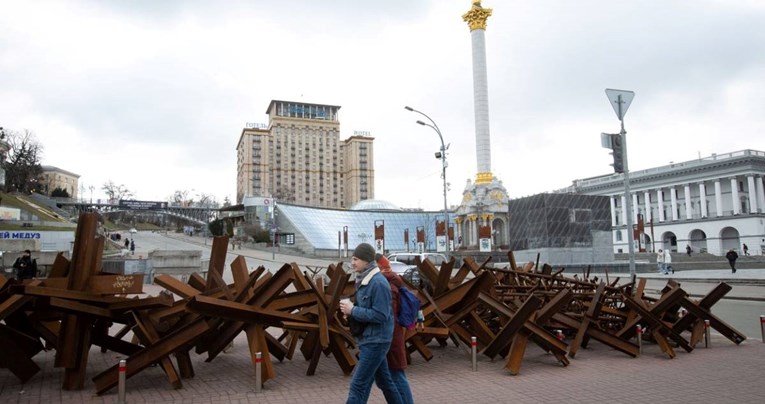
(175, 81)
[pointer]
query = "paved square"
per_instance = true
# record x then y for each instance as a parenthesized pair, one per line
(723, 373)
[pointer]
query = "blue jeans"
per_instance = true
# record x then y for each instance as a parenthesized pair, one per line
(402, 384)
(372, 368)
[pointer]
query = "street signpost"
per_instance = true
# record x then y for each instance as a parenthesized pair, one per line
(620, 102)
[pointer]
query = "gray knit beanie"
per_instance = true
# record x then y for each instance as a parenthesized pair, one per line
(364, 252)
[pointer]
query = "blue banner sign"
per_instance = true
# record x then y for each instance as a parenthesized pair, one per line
(19, 235)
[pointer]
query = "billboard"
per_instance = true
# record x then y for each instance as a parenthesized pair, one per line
(257, 201)
(141, 205)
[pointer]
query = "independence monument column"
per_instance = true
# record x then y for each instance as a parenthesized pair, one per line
(476, 19)
(483, 215)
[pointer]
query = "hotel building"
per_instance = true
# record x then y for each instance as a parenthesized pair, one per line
(298, 158)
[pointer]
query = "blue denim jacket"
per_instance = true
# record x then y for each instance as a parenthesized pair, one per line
(373, 307)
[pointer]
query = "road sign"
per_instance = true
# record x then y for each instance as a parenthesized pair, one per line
(617, 97)
(605, 140)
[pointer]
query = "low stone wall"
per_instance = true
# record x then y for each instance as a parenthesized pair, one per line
(130, 267)
(176, 262)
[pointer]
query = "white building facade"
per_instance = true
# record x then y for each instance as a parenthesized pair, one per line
(713, 204)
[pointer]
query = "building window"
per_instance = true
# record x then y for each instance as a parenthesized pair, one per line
(618, 234)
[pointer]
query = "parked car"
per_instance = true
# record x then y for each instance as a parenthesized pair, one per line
(408, 259)
(404, 264)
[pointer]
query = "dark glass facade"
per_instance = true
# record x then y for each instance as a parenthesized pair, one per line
(557, 220)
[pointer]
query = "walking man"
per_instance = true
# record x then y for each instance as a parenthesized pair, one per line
(732, 256)
(746, 249)
(397, 353)
(374, 311)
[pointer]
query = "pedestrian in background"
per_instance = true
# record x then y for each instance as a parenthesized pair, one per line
(374, 312)
(688, 249)
(397, 354)
(25, 267)
(668, 263)
(132, 247)
(732, 256)
(746, 249)
(660, 261)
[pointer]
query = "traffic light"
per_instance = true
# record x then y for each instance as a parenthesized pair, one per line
(618, 153)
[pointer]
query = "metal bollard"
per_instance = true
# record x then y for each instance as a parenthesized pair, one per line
(258, 370)
(473, 352)
(707, 334)
(639, 334)
(121, 382)
(762, 327)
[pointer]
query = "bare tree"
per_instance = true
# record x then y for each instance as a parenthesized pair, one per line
(22, 166)
(116, 192)
(207, 201)
(184, 198)
(181, 197)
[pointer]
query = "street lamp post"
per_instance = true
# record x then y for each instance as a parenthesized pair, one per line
(441, 155)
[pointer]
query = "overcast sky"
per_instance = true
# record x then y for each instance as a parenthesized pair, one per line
(154, 94)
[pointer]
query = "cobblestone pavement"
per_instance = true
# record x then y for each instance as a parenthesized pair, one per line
(723, 373)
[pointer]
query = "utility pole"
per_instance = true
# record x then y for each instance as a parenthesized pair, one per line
(620, 101)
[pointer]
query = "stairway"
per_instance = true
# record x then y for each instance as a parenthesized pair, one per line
(681, 261)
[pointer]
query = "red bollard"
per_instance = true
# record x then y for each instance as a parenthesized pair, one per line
(258, 371)
(639, 334)
(559, 334)
(122, 368)
(762, 327)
